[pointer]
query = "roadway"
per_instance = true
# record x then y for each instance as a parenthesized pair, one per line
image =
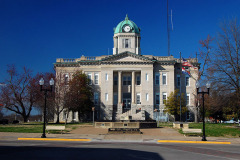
(16, 149)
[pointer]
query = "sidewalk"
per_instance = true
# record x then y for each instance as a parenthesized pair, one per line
(101, 135)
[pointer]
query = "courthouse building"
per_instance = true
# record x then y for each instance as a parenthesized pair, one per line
(129, 84)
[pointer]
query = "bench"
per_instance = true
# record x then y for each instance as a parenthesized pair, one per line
(56, 128)
(191, 131)
(180, 125)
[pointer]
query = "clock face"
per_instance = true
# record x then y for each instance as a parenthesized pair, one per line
(127, 28)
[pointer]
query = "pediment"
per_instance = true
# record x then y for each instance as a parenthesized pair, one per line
(127, 57)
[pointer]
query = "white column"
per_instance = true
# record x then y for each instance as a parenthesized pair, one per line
(133, 87)
(119, 87)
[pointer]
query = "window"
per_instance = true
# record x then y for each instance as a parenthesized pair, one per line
(146, 77)
(126, 80)
(106, 77)
(66, 79)
(188, 115)
(187, 81)
(164, 78)
(96, 98)
(138, 99)
(157, 99)
(74, 115)
(64, 115)
(178, 80)
(157, 79)
(138, 80)
(96, 79)
(90, 78)
(164, 97)
(115, 80)
(126, 43)
(147, 97)
(106, 96)
(115, 98)
(188, 99)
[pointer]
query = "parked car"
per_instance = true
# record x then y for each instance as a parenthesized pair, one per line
(231, 121)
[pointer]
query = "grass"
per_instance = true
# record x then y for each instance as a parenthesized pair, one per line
(165, 124)
(36, 127)
(21, 128)
(218, 130)
(211, 129)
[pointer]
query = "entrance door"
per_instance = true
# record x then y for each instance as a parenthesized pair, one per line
(126, 103)
(126, 100)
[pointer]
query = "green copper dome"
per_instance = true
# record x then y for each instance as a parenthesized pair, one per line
(131, 24)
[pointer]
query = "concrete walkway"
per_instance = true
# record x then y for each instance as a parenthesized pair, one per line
(101, 135)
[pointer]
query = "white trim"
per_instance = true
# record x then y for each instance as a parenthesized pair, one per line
(188, 98)
(106, 96)
(147, 97)
(164, 94)
(106, 77)
(96, 74)
(146, 77)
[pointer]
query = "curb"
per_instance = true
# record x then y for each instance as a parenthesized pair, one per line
(202, 142)
(53, 139)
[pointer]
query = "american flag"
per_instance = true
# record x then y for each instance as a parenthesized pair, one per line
(186, 63)
(185, 72)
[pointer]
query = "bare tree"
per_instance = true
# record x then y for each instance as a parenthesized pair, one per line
(18, 94)
(224, 64)
(51, 95)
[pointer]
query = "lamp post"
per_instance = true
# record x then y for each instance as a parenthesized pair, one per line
(41, 82)
(93, 109)
(208, 87)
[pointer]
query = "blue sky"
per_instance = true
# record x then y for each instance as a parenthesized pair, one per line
(33, 33)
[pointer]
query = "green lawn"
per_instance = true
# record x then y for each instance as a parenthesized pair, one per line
(35, 127)
(218, 130)
(211, 129)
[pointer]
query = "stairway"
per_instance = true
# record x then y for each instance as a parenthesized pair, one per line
(129, 116)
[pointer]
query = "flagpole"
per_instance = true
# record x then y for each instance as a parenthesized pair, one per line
(180, 87)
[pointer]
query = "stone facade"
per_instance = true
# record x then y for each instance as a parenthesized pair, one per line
(128, 83)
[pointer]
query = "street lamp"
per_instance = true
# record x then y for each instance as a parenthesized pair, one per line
(93, 109)
(208, 87)
(41, 82)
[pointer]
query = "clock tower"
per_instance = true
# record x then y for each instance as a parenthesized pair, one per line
(126, 37)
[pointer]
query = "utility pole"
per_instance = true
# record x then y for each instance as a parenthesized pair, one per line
(168, 31)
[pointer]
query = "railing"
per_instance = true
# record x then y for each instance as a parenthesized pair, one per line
(66, 60)
(90, 58)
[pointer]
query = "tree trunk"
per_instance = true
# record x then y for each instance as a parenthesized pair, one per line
(25, 118)
(57, 122)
